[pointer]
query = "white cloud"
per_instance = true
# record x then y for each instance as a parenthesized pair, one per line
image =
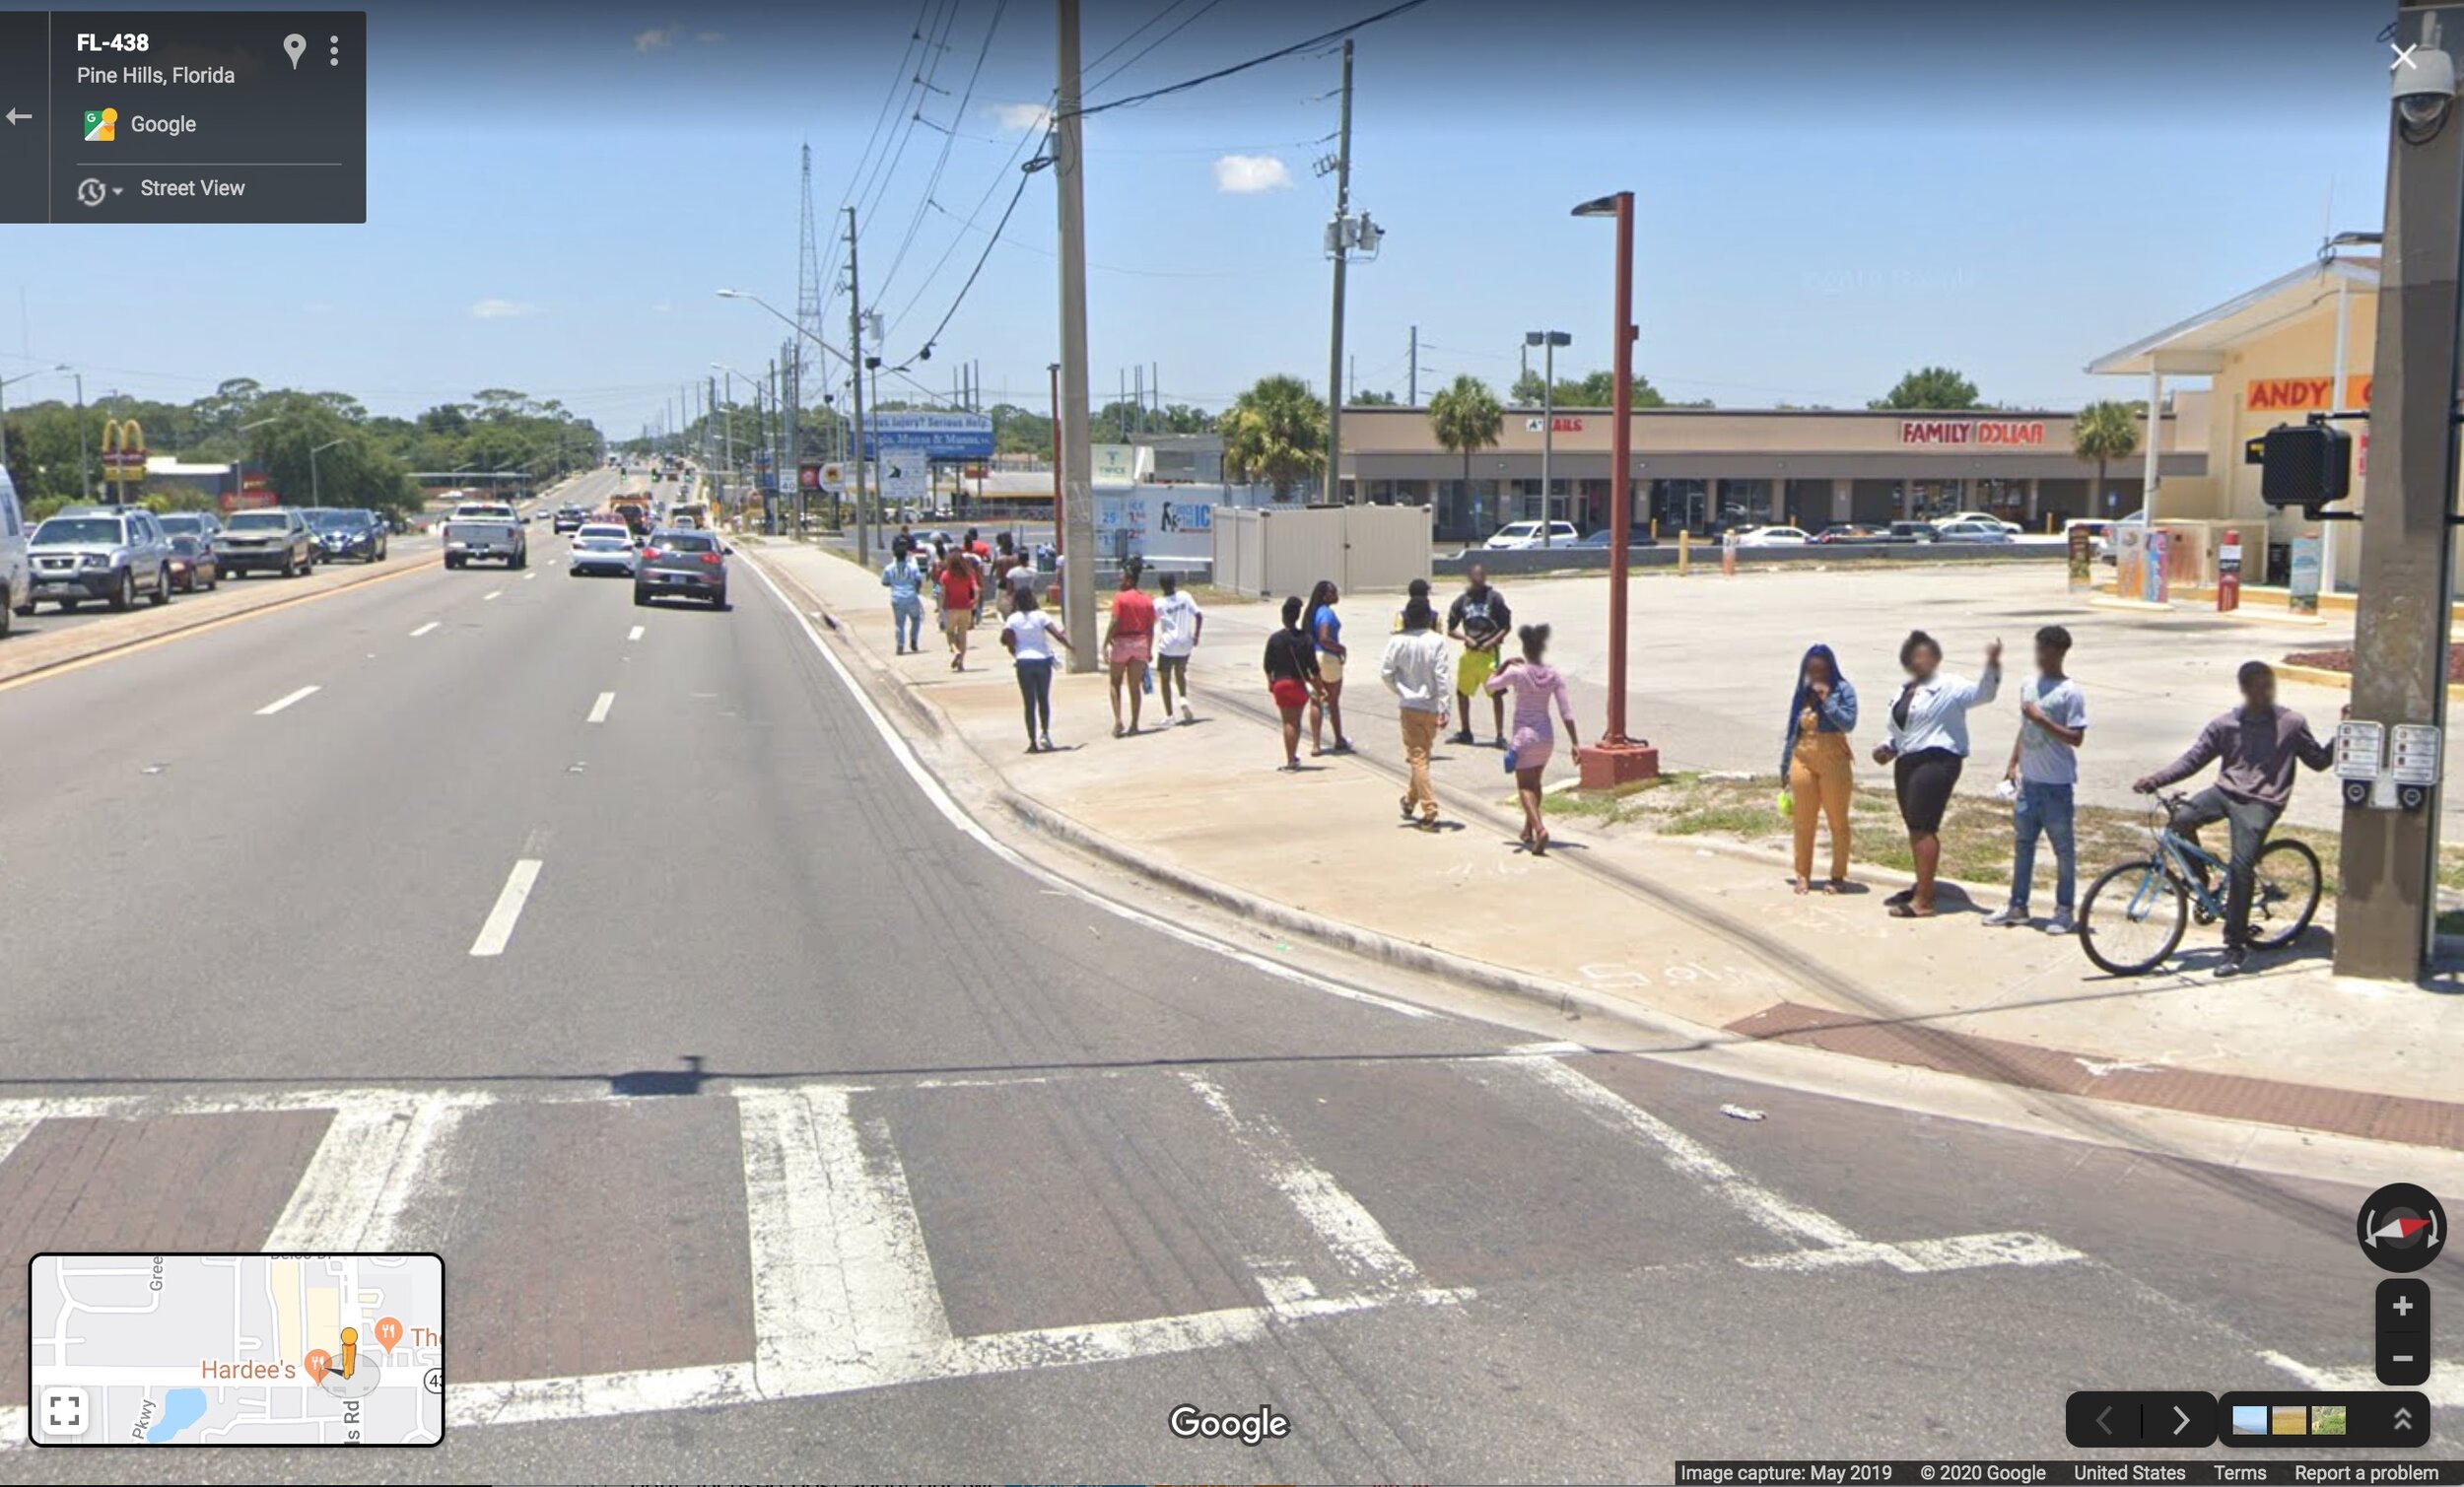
(502, 309)
(657, 39)
(1249, 174)
(1021, 118)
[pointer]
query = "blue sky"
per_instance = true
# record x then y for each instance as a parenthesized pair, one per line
(1828, 196)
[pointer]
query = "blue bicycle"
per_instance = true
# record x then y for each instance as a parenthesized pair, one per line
(2135, 914)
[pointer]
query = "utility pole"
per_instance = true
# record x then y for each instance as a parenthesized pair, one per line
(1334, 340)
(2390, 856)
(1413, 397)
(1077, 590)
(856, 395)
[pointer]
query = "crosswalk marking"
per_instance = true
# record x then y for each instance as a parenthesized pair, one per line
(359, 1180)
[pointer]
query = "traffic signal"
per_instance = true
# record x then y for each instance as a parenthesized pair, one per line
(2306, 466)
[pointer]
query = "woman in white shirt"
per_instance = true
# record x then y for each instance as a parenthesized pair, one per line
(1926, 749)
(1030, 635)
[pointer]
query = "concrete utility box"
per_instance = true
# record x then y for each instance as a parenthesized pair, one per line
(1285, 550)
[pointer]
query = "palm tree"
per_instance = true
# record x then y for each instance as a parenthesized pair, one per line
(1466, 418)
(1274, 433)
(2104, 431)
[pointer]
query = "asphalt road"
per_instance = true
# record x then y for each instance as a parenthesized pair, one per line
(792, 1132)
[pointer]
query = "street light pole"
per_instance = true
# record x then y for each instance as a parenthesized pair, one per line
(1077, 586)
(1616, 759)
(1549, 341)
(2390, 856)
(317, 488)
(1335, 339)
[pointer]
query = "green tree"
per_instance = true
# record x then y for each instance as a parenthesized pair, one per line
(1376, 400)
(1274, 433)
(1596, 389)
(2103, 431)
(1467, 419)
(1929, 389)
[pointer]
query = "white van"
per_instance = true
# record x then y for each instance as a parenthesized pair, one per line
(16, 575)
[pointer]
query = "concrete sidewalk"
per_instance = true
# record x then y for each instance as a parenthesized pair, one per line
(1691, 940)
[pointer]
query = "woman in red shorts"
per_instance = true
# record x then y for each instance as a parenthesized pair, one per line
(1291, 676)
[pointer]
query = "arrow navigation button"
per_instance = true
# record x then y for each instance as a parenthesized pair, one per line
(12, 115)
(2182, 1415)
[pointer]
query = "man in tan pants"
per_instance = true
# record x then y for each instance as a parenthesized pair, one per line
(1418, 668)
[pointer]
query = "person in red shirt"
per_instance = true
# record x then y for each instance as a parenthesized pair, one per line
(1128, 644)
(960, 589)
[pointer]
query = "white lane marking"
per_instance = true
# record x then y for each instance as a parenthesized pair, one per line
(509, 907)
(424, 628)
(494, 594)
(13, 1427)
(280, 703)
(841, 1278)
(940, 800)
(2446, 1387)
(1819, 1240)
(599, 710)
(1358, 1242)
(635, 633)
(357, 1184)
(526, 578)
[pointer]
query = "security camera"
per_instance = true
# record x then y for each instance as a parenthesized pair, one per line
(2423, 86)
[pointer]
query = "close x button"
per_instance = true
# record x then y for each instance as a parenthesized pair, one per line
(2140, 1417)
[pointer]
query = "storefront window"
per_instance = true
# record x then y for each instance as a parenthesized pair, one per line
(1680, 504)
(1745, 502)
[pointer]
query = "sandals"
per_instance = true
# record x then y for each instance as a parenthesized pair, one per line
(1910, 912)
(1903, 896)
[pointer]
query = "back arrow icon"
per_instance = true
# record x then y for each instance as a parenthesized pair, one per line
(14, 115)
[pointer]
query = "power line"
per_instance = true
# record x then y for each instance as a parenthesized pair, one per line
(1152, 45)
(1276, 56)
(980, 260)
(915, 224)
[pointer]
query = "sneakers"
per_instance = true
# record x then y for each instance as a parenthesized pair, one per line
(1187, 715)
(2007, 916)
(2236, 961)
(1464, 737)
(1406, 807)
(2060, 924)
(1047, 743)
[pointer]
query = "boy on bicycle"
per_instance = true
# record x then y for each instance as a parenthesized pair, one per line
(2259, 743)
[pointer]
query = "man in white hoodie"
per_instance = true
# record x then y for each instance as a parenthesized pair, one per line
(1418, 668)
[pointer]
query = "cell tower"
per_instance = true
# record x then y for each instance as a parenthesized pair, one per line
(807, 319)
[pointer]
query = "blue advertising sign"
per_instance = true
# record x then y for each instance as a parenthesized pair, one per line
(932, 435)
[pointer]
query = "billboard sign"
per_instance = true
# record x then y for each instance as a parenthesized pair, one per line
(930, 436)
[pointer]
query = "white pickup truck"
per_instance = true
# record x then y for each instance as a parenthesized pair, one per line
(490, 529)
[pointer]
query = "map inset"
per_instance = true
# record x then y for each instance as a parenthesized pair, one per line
(237, 1349)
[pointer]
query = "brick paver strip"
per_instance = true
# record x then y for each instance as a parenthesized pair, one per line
(2353, 1113)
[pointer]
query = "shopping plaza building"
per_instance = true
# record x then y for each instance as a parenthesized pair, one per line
(1700, 468)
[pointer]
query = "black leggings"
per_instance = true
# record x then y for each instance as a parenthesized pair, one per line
(1924, 781)
(1035, 693)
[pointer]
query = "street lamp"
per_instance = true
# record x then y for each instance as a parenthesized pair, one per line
(4, 407)
(1616, 759)
(240, 466)
(317, 488)
(1549, 341)
(863, 527)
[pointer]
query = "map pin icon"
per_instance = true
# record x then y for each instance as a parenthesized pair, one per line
(318, 1363)
(296, 45)
(388, 1333)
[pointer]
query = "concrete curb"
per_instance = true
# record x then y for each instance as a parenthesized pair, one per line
(283, 601)
(2342, 681)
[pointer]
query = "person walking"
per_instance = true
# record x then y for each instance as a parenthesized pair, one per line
(2256, 746)
(1023, 577)
(904, 577)
(1536, 686)
(1291, 676)
(979, 551)
(1178, 623)
(959, 592)
(1480, 619)
(1029, 636)
(2044, 770)
(1325, 632)
(1816, 760)
(1416, 669)
(1927, 748)
(1128, 644)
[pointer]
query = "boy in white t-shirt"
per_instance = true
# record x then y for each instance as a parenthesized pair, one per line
(1178, 621)
(2044, 766)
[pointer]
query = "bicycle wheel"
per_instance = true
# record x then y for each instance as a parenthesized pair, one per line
(2284, 892)
(2132, 918)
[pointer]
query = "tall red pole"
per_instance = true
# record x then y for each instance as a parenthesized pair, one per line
(1616, 759)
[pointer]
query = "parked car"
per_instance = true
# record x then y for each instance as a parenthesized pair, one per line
(1772, 536)
(111, 557)
(1515, 536)
(1850, 534)
(2010, 527)
(17, 573)
(349, 533)
(1635, 537)
(1971, 531)
(270, 537)
(195, 562)
(1912, 531)
(603, 548)
(691, 563)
